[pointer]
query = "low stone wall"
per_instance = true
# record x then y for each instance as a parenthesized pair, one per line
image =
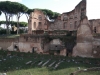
(22, 46)
(86, 70)
(27, 47)
(6, 43)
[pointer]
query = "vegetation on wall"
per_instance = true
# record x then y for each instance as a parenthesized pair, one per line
(28, 13)
(51, 15)
(70, 36)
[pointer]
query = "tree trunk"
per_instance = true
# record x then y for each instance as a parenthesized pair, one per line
(18, 16)
(7, 25)
(27, 17)
(18, 26)
(8, 16)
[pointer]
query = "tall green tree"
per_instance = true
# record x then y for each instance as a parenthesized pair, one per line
(10, 9)
(28, 13)
(5, 7)
(50, 14)
(12, 23)
(19, 10)
(0, 12)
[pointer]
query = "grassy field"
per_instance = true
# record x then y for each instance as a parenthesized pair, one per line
(14, 63)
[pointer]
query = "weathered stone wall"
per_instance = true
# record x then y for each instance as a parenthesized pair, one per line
(24, 43)
(28, 47)
(56, 25)
(28, 42)
(63, 52)
(71, 20)
(84, 44)
(95, 23)
(6, 43)
(66, 21)
(96, 47)
(37, 21)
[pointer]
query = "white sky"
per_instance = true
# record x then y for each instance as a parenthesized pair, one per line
(12, 0)
(93, 7)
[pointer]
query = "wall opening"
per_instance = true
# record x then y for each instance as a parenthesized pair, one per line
(33, 50)
(95, 30)
(16, 48)
(58, 51)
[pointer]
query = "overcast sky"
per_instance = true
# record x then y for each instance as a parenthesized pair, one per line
(60, 6)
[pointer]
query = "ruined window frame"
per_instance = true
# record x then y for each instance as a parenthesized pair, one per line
(75, 24)
(34, 24)
(70, 24)
(45, 23)
(40, 25)
(40, 17)
(75, 16)
(95, 29)
(64, 25)
(71, 16)
(65, 18)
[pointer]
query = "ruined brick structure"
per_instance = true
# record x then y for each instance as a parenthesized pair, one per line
(39, 28)
(66, 21)
(95, 24)
(37, 22)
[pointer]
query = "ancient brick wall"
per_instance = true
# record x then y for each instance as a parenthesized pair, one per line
(66, 21)
(37, 21)
(7, 43)
(30, 43)
(25, 43)
(96, 47)
(71, 20)
(95, 24)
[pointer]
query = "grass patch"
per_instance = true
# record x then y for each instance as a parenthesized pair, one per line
(9, 36)
(14, 64)
(90, 73)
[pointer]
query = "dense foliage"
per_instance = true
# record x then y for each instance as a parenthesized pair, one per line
(9, 9)
(50, 14)
(0, 12)
(13, 23)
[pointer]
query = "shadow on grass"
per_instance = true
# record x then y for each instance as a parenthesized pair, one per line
(11, 61)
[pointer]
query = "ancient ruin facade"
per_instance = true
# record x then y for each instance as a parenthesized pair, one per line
(47, 37)
(66, 21)
(95, 24)
(38, 22)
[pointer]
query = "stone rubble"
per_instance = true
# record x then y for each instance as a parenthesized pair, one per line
(33, 63)
(46, 62)
(29, 62)
(40, 63)
(57, 64)
(3, 74)
(52, 64)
